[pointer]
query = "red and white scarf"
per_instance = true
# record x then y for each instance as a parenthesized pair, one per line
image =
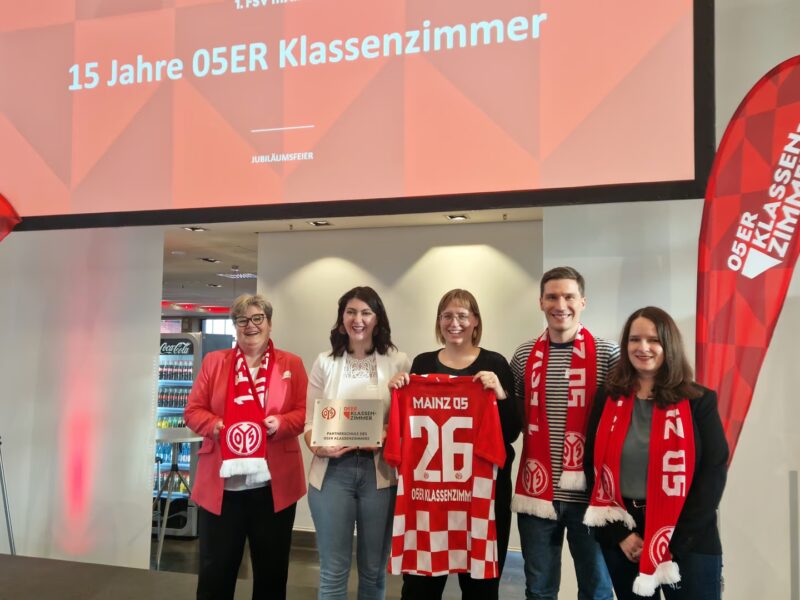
(243, 439)
(670, 470)
(534, 490)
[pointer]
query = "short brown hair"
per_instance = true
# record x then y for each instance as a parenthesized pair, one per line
(245, 301)
(561, 273)
(467, 300)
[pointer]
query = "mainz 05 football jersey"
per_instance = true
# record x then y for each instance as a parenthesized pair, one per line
(445, 440)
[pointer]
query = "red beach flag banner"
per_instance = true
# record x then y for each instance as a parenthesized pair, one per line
(748, 243)
(8, 217)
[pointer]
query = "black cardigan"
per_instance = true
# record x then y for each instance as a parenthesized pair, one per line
(696, 529)
(428, 362)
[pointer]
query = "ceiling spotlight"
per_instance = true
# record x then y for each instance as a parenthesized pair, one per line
(214, 285)
(320, 223)
(195, 229)
(456, 218)
(210, 260)
(237, 275)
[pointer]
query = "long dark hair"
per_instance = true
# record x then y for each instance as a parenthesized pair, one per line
(381, 335)
(674, 380)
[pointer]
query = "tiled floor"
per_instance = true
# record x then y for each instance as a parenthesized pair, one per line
(180, 555)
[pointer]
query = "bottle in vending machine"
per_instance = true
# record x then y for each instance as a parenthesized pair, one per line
(178, 354)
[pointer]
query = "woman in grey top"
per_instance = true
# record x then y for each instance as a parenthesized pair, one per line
(656, 445)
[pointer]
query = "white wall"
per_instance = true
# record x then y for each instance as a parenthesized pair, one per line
(633, 254)
(79, 316)
(304, 274)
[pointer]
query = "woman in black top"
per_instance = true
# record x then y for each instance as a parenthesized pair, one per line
(654, 375)
(458, 327)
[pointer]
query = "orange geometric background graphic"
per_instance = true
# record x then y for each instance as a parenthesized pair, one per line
(563, 94)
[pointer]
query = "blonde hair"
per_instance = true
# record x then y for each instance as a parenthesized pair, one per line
(467, 300)
(245, 301)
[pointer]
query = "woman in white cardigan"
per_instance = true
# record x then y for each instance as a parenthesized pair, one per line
(353, 487)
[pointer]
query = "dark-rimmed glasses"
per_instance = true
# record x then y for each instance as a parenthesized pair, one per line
(256, 319)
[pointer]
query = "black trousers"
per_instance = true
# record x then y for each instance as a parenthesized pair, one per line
(419, 587)
(502, 508)
(249, 514)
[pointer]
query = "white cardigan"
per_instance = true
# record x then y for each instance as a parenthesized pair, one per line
(324, 382)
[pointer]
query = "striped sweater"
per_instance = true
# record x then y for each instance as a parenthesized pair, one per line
(556, 393)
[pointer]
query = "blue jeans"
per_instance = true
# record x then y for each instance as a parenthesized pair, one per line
(701, 576)
(542, 540)
(349, 499)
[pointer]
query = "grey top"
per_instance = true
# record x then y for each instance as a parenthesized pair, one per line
(636, 452)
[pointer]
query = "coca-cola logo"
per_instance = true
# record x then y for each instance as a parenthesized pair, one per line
(176, 348)
(244, 438)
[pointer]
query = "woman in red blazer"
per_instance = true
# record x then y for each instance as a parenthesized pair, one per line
(254, 503)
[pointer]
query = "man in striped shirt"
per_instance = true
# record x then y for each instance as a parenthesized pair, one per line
(555, 377)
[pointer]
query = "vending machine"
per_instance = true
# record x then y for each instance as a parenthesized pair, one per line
(178, 364)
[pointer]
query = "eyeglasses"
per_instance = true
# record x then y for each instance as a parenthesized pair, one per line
(256, 319)
(462, 318)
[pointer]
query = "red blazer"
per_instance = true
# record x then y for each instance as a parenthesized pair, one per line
(206, 405)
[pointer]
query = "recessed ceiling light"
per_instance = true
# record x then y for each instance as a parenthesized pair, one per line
(238, 275)
(214, 285)
(319, 223)
(195, 229)
(457, 217)
(208, 259)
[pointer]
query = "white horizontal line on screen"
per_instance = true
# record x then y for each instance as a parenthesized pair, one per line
(281, 128)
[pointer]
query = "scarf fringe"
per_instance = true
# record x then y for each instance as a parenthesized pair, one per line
(244, 466)
(645, 585)
(260, 477)
(667, 573)
(598, 516)
(533, 506)
(572, 480)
